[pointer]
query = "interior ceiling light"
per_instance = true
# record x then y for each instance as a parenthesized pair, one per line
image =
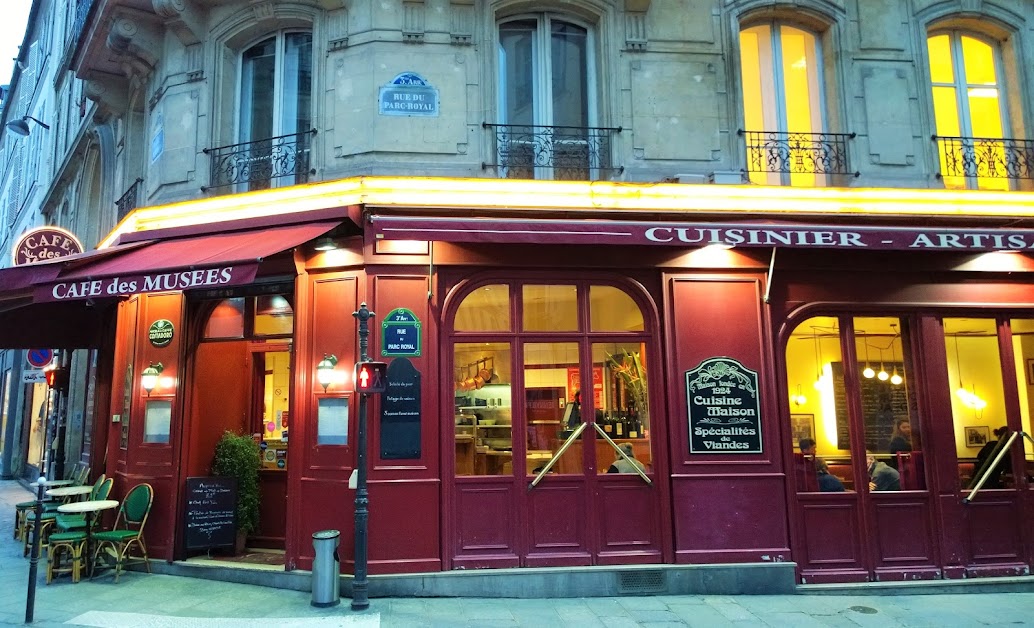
(867, 372)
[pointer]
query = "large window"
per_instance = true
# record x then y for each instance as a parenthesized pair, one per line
(782, 91)
(276, 101)
(546, 72)
(969, 109)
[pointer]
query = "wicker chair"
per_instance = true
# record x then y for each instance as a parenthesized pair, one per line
(127, 532)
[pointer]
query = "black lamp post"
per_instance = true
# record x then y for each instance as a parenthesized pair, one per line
(360, 587)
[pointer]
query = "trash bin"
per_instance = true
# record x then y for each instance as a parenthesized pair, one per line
(326, 584)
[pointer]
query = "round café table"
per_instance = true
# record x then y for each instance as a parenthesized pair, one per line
(56, 483)
(89, 508)
(69, 491)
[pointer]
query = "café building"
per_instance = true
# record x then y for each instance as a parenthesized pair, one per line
(538, 333)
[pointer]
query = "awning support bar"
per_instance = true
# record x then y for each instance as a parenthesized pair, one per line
(771, 272)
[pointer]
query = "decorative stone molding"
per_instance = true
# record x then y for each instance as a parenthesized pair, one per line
(637, 6)
(195, 62)
(109, 92)
(180, 16)
(134, 43)
(461, 31)
(413, 21)
(635, 31)
(337, 30)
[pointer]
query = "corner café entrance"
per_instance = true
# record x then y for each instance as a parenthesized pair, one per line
(921, 404)
(555, 455)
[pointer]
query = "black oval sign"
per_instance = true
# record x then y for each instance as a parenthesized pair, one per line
(160, 332)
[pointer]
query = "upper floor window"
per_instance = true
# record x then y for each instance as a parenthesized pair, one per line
(275, 110)
(969, 110)
(782, 103)
(546, 100)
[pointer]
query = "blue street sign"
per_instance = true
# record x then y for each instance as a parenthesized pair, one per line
(39, 357)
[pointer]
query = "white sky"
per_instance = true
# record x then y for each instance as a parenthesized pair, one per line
(13, 15)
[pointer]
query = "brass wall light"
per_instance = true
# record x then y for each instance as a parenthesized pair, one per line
(149, 377)
(325, 370)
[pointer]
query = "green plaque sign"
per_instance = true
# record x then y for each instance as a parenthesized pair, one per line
(400, 334)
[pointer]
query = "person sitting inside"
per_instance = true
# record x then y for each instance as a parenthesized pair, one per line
(994, 478)
(807, 446)
(621, 465)
(900, 441)
(881, 476)
(828, 483)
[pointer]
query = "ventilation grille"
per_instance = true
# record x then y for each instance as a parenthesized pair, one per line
(642, 582)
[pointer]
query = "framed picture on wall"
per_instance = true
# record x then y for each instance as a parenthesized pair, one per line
(977, 436)
(1030, 372)
(802, 426)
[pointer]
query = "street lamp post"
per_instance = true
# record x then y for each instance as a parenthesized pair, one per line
(360, 586)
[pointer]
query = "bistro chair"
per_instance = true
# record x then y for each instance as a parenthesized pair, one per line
(101, 489)
(71, 543)
(80, 473)
(128, 530)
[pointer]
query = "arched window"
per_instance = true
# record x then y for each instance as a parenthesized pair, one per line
(276, 107)
(781, 80)
(969, 110)
(546, 97)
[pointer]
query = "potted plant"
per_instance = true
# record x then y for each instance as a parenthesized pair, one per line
(237, 456)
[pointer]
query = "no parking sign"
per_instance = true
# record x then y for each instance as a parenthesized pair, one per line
(39, 357)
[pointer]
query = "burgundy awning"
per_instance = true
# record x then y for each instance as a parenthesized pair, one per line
(698, 234)
(209, 261)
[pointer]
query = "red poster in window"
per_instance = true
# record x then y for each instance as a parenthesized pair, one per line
(283, 418)
(574, 384)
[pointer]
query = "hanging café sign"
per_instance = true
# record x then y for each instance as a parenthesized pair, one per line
(45, 243)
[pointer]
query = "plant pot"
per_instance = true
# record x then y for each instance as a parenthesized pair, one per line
(240, 543)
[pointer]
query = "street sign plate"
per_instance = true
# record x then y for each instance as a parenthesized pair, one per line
(39, 357)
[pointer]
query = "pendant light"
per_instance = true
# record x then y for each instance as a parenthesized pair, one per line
(969, 398)
(883, 375)
(818, 360)
(867, 372)
(895, 378)
(799, 399)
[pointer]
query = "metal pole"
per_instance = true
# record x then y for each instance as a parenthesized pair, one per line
(360, 586)
(37, 525)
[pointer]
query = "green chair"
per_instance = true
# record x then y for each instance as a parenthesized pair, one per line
(61, 543)
(101, 489)
(79, 475)
(128, 530)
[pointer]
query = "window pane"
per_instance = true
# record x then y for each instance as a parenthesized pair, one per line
(621, 403)
(984, 112)
(550, 308)
(610, 309)
(485, 309)
(226, 320)
(331, 422)
(273, 316)
(157, 421)
(818, 415)
(297, 96)
(516, 61)
(570, 92)
(484, 430)
(977, 396)
(555, 406)
(258, 70)
(892, 431)
(939, 53)
(798, 59)
(980, 64)
(1023, 350)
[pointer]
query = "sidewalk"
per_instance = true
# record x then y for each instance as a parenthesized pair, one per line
(159, 601)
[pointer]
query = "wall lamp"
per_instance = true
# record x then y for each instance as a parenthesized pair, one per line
(325, 370)
(325, 243)
(149, 377)
(21, 127)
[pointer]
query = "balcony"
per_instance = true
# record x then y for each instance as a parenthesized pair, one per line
(560, 153)
(815, 154)
(262, 164)
(128, 201)
(984, 162)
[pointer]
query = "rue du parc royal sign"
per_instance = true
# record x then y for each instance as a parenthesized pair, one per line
(408, 94)
(724, 409)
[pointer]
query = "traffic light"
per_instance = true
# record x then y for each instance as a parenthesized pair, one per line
(371, 377)
(57, 378)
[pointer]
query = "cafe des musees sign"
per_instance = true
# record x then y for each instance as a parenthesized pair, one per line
(45, 243)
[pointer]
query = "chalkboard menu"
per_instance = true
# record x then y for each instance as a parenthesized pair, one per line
(724, 410)
(400, 412)
(211, 513)
(882, 403)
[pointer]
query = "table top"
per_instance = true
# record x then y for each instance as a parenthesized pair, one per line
(88, 506)
(58, 482)
(68, 491)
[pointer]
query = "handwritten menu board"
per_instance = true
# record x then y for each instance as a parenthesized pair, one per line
(400, 412)
(211, 513)
(882, 403)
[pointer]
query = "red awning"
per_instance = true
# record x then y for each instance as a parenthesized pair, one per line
(699, 234)
(210, 261)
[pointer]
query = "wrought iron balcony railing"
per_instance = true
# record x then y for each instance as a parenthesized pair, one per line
(814, 153)
(82, 13)
(986, 157)
(128, 201)
(567, 153)
(255, 165)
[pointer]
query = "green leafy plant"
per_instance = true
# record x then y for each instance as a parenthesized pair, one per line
(237, 455)
(630, 369)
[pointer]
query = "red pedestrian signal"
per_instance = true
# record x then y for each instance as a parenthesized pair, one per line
(57, 378)
(371, 377)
